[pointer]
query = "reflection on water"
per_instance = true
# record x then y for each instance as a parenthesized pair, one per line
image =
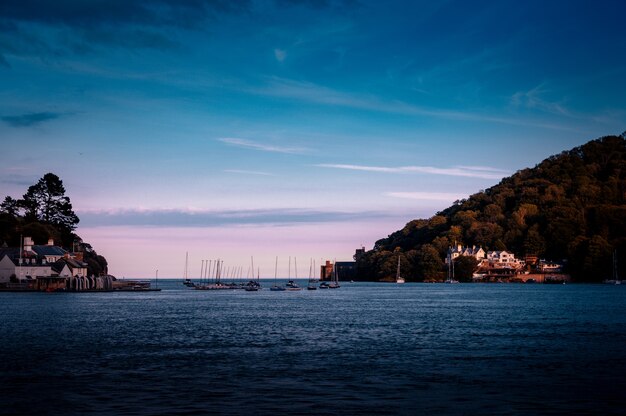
(365, 348)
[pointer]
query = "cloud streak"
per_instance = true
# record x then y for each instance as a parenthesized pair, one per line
(426, 196)
(189, 14)
(200, 218)
(468, 172)
(318, 94)
(248, 172)
(249, 144)
(30, 119)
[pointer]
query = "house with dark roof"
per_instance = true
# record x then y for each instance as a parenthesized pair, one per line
(47, 268)
(453, 252)
(51, 253)
(22, 268)
(77, 268)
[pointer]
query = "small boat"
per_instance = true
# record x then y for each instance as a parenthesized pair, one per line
(399, 279)
(187, 281)
(291, 284)
(451, 278)
(275, 287)
(254, 285)
(311, 285)
(334, 284)
(324, 285)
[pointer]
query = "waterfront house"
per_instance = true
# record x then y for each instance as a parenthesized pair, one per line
(45, 267)
(50, 252)
(22, 268)
(501, 257)
(453, 252)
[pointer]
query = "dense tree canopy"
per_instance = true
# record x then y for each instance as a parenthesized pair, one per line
(570, 207)
(46, 201)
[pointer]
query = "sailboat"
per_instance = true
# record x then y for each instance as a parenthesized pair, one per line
(334, 284)
(187, 281)
(291, 284)
(399, 279)
(252, 285)
(451, 278)
(311, 285)
(276, 288)
(615, 280)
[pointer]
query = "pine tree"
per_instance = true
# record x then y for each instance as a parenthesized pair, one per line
(46, 201)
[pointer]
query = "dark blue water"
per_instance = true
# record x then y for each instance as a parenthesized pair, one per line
(363, 349)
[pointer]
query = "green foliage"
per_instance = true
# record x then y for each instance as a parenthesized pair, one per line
(571, 206)
(464, 267)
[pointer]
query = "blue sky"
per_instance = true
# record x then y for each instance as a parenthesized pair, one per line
(291, 128)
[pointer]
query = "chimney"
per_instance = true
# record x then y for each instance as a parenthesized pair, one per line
(28, 244)
(79, 256)
(50, 241)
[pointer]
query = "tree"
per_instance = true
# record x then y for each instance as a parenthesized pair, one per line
(10, 206)
(429, 263)
(571, 206)
(46, 201)
(464, 268)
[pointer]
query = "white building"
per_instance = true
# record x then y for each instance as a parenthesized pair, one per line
(501, 257)
(453, 252)
(26, 268)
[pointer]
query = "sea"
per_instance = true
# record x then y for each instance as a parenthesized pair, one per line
(366, 348)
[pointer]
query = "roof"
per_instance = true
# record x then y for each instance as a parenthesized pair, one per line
(58, 266)
(73, 263)
(49, 250)
(11, 252)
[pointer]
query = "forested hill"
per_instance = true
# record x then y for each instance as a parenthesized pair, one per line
(571, 207)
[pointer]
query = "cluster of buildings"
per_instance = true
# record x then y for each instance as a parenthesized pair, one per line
(499, 265)
(47, 268)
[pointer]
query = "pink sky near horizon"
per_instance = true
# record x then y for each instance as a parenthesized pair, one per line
(137, 252)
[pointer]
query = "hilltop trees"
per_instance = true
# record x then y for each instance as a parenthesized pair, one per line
(45, 212)
(570, 207)
(46, 202)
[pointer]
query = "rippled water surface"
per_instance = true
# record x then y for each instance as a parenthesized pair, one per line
(363, 349)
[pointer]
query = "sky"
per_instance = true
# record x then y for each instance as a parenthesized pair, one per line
(246, 130)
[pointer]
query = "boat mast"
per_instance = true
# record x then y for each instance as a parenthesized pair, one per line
(252, 262)
(186, 262)
(398, 271)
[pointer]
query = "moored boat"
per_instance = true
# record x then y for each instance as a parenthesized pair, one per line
(399, 278)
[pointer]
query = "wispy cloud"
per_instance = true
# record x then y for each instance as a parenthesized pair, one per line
(426, 196)
(280, 54)
(30, 119)
(483, 169)
(469, 172)
(249, 144)
(248, 172)
(534, 99)
(318, 94)
(200, 218)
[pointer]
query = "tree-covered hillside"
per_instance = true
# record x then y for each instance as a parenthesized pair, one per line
(571, 207)
(43, 213)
